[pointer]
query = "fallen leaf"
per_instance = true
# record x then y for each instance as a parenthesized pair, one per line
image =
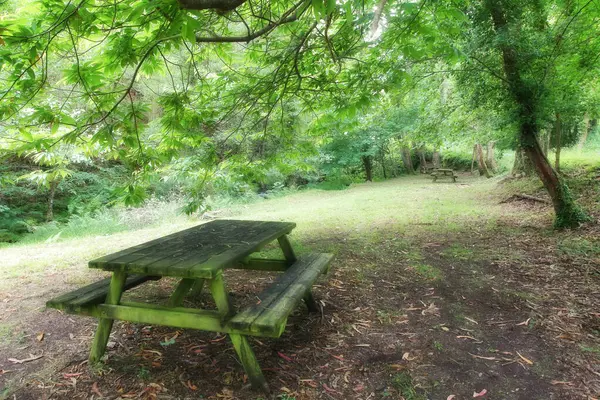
(398, 367)
(431, 309)
(450, 397)
(483, 358)
(286, 358)
(472, 320)
(40, 336)
(96, 390)
(480, 394)
(191, 386)
(466, 337)
(31, 358)
(72, 375)
(561, 383)
(528, 361)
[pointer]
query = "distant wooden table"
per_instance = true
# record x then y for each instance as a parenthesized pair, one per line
(198, 256)
(443, 172)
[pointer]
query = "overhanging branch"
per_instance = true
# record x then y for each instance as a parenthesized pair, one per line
(221, 5)
(287, 17)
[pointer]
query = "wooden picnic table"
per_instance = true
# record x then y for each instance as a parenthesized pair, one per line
(443, 172)
(198, 256)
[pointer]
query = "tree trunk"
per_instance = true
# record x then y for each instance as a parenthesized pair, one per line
(568, 213)
(586, 131)
(483, 168)
(423, 160)
(51, 194)
(490, 156)
(437, 160)
(407, 160)
(557, 140)
(522, 165)
(545, 141)
(368, 165)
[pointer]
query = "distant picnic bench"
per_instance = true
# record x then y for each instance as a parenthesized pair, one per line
(443, 173)
(198, 257)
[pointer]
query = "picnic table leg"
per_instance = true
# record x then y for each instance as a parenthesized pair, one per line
(115, 291)
(310, 302)
(286, 247)
(249, 362)
(288, 252)
(219, 293)
(184, 286)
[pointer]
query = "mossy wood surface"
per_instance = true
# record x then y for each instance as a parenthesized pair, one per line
(197, 252)
(95, 293)
(268, 317)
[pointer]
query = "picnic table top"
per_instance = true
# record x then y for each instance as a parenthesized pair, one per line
(198, 252)
(444, 170)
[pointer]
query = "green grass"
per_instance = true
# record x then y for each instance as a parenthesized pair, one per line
(6, 332)
(579, 247)
(428, 272)
(403, 383)
(458, 252)
(359, 218)
(107, 222)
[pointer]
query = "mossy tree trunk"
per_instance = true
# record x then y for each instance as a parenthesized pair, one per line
(407, 160)
(368, 166)
(557, 142)
(481, 165)
(522, 165)
(490, 156)
(568, 213)
(437, 159)
(51, 195)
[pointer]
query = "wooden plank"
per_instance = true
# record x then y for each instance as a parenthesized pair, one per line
(263, 264)
(198, 243)
(249, 362)
(273, 318)
(286, 248)
(183, 287)
(244, 319)
(277, 301)
(92, 294)
(220, 295)
(115, 290)
(162, 241)
(201, 253)
(225, 243)
(156, 315)
(238, 253)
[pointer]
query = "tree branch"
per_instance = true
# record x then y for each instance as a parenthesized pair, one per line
(285, 19)
(221, 5)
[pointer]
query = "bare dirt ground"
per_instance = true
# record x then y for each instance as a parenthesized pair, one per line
(496, 305)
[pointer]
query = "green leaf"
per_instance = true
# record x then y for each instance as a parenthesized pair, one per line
(318, 8)
(189, 28)
(329, 6)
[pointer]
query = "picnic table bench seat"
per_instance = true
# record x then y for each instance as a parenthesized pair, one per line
(77, 301)
(268, 316)
(443, 172)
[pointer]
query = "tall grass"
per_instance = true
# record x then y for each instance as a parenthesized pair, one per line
(108, 221)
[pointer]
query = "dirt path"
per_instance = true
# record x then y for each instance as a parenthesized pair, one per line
(425, 307)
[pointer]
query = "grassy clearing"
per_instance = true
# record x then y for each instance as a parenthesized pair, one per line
(421, 269)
